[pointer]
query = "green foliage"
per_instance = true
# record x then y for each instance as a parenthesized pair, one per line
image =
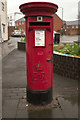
(23, 39)
(68, 49)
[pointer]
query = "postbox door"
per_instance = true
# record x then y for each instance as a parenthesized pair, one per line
(40, 52)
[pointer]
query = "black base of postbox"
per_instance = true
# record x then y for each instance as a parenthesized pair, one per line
(39, 97)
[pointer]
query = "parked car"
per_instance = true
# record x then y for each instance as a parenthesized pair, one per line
(16, 33)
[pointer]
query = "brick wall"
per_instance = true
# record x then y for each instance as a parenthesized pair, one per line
(58, 23)
(72, 31)
(66, 66)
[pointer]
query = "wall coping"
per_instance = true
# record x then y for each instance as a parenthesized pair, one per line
(54, 52)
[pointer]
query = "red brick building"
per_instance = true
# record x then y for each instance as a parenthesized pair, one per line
(69, 27)
(58, 23)
(72, 27)
(21, 25)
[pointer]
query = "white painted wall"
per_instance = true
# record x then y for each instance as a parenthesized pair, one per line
(12, 17)
(3, 21)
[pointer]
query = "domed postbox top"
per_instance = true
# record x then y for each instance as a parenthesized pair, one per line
(38, 8)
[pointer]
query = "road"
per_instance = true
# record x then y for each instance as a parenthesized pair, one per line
(69, 39)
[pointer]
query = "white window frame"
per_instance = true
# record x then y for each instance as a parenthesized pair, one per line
(19, 22)
(76, 26)
(22, 22)
(73, 26)
(23, 29)
(3, 28)
(10, 17)
(2, 6)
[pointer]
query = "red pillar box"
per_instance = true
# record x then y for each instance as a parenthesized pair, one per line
(39, 50)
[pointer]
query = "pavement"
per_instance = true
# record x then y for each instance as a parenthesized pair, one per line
(0, 81)
(15, 105)
(9, 45)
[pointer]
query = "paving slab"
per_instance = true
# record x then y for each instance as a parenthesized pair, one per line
(14, 70)
(51, 113)
(0, 81)
(10, 108)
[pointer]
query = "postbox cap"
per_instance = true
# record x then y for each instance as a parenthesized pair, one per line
(38, 8)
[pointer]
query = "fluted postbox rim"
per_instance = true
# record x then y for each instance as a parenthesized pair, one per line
(38, 8)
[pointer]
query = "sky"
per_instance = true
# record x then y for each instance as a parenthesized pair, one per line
(70, 7)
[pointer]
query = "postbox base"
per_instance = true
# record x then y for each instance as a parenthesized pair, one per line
(39, 97)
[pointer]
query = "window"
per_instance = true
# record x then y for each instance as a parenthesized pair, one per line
(10, 17)
(3, 28)
(64, 27)
(67, 27)
(72, 26)
(2, 6)
(16, 23)
(76, 26)
(22, 22)
(23, 29)
(11, 23)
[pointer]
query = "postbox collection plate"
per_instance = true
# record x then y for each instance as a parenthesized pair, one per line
(39, 37)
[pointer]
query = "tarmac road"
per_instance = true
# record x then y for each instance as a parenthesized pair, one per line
(69, 39)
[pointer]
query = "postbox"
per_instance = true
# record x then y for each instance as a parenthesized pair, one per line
(39, 50)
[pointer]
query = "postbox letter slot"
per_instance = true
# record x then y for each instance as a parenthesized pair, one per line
(39, 23)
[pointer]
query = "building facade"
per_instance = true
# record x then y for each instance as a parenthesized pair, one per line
(20, 23)
(58, 23)
(3, 21)
(72, 27)
(12, 17)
